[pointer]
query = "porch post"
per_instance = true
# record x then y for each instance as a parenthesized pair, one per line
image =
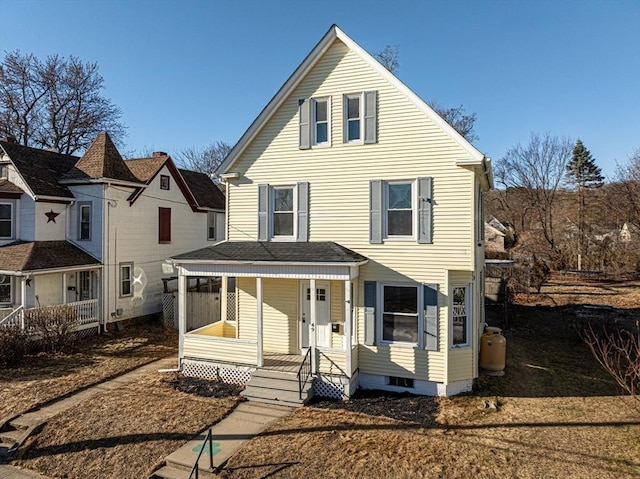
(313, 337)
(64, 287)
(223, 298)
(23, 299)
(182, 311)
(259, 320)
(348, 325)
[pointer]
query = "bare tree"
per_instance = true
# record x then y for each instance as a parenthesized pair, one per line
(388, 57)
(205, 160)
(56, 103)
(628, 186)
(537, 169)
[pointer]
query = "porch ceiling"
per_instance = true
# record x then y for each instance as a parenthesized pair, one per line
(43, 256)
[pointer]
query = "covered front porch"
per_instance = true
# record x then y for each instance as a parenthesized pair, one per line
(294, 308)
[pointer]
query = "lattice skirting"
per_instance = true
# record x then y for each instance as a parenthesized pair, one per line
(227, 373)
(335, 387)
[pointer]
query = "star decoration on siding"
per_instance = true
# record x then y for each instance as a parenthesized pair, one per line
(51, 216)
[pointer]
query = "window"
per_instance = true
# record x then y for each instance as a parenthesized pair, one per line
(283, 212)
(6, 220)
(400, 382)
(126, 279)
(164, 182)
(4, 170)
(84, 221)
(353, 115)
(321, 116)
(5, 289)
(211, 225)
(399, 217)
(460, 315)
(400, 314)
(164, 225)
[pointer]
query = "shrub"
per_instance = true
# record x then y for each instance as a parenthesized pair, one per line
(13, 345)
(53, 327)
(539, 272)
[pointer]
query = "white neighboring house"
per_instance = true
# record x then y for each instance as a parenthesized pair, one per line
(93, 232)
(356, 241)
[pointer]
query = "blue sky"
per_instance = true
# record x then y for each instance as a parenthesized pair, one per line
(188, 73)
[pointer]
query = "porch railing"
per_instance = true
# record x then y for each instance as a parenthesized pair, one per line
(194, 470)
(86, 311)
(304, 373)
(14, 318)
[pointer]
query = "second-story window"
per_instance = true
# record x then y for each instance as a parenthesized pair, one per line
(399, 212)
(211, 225)
(322, 115)
(164, 225)
(84, 226)
(164, 182)
(6, 220)
(283, 212)
(4, 170)
(353, 116)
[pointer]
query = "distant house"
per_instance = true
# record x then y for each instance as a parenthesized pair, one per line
(356, 241)
(92, 232)
(494, 238)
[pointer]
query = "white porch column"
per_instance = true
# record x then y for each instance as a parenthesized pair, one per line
(348, 331)
(259, 320)
(182, 311)
(64, 287)
(223, 298)
(23, 299)
(313, 338)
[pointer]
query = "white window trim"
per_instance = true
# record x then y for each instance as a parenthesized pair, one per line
(211, 214)
(13, 220)
(4, 170)
(345, 119)
(414, 211)
(168, 178)
(11, 292)
(272, 200)
(469, 311)
(121, 279)
(315, 143)
(80, 206)
(380, 313)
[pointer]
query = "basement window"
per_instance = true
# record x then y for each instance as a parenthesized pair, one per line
(400, 382)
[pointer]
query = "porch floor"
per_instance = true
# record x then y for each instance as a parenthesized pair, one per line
(289, 363)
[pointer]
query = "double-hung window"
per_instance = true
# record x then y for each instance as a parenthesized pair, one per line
(84, 221)
(6, 220)
(321, 122)
(5, 290)
(4, 170)
(283, 212)
(211, 225)
(353, 118)
(399, 211)
(400, 314)
(460, 315)
(126, 279)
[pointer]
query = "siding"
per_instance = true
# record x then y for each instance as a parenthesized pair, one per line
(224, 350)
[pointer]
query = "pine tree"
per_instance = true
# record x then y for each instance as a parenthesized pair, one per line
(585, 174)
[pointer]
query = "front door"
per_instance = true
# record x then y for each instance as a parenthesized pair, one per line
(323, 326)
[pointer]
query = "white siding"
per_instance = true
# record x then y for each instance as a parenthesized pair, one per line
(53, 230)
(220, 349)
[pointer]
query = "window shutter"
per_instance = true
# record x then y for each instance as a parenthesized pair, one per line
(164, 225)
(375, 215)
(220, 229)
(305, 124)
(370, 290)
(263, 212)
(370, 117)
(425, 210)
(303, 212)
(431, 317)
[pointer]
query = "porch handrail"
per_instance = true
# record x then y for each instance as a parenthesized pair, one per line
(304, 373)
(194, 469)
(14, 318)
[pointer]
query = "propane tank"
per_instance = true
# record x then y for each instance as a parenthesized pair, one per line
(493, 349)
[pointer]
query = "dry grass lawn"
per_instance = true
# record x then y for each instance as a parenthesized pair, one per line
(46, 377)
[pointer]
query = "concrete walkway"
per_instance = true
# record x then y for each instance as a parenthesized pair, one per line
(245, 422)
(45, 413)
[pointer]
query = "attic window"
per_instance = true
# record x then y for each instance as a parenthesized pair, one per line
(4, 170)
(164, 182)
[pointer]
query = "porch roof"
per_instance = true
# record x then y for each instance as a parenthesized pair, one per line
(40, 256)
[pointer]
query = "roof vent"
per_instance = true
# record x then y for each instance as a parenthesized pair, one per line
(159, 153)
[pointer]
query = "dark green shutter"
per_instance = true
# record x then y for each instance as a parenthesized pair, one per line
(431, 317)
(370, 117)
(375, 211)
(425, 210)
(303, 212)
(263, 212)
(305, 124)
(370, 290)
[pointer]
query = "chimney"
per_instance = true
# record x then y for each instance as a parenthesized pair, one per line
(159, 153)
(10, 139)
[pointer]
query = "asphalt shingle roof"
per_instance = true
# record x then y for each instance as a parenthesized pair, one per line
(311, 252)
(38, 255)
(145, 168)
(7, 187)
(205, 191)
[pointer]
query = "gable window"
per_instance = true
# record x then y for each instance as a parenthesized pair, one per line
(400, 314)
(360, 117)
(5, 289)
(164, 182)
(164, 225)
(84, 221)
(126, 279)
(283, 212)
(460, 315)
(399, 210)
(322, 114)
(6, 220)
(4, 170)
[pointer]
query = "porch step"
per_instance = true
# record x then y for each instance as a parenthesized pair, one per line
(14, 433)
(276, 387)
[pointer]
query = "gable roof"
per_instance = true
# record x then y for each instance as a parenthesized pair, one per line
(101, 160)
(145, 169)
(305, 67)
(7, 187)
(205, 191)
(40, 169)
(43, 255)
